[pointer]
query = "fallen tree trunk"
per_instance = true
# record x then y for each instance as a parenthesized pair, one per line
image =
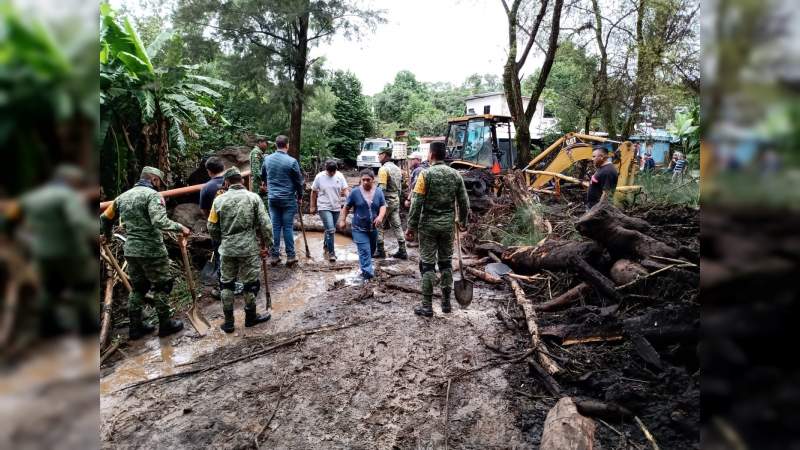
(566, 429)
(625, 271)
(567, 298)
(530, 318)
(483, 275)
(621, 235)
(552, 254)
(314, 223)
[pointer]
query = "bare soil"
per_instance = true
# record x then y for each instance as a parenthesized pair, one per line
(342, 365)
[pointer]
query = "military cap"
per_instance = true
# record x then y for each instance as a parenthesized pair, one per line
(232, 172)
(147, 170)
(261, 137)
(415, 155)
(387, 150)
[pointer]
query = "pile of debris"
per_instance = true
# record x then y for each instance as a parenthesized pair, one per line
(609, 301)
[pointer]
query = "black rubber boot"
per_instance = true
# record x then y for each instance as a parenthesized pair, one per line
(401, 252)
(446, 307)
(138, 329)
(167, 326)
(424, 309)
(251, 318)
(379, 251)
(228, 326)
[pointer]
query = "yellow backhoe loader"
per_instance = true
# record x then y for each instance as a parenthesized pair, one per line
(573, 147)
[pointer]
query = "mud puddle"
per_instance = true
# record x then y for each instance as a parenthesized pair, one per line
(290, 290)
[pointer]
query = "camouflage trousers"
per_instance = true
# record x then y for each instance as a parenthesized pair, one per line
(435, 247)
(68, 295)
(245, 269)
(146, 273)
(392, 220)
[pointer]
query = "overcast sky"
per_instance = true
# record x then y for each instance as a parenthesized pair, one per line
(438, 40)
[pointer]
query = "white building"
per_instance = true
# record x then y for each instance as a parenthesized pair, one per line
(495, 103)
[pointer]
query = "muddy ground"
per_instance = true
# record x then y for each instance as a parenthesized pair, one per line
(347, 366)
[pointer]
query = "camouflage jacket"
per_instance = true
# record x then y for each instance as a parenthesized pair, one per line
(390, 179)
(256, 161)
(58, 222)
(435, 194)
(142, 213)
(235, 218)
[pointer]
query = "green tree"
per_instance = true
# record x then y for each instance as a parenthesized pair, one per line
(353, 118)
(569, 91)
(279, 34)
(145, 111)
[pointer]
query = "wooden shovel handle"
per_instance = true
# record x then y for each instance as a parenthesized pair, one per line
(187, 268)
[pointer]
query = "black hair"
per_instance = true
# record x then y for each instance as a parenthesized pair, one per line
(331, 166)
(367, 173)
(281, 141)
(601, 148)
(214, 164)
(438, 150)
(261, 139)
(235, 179)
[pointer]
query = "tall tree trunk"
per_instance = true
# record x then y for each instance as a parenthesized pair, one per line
(549, 59)
(513, 89)
(299, 83)
(604, 102)
(643, 70)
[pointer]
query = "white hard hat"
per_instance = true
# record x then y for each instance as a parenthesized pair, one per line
(415, 155)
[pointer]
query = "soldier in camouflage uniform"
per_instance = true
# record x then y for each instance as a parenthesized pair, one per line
(390, 180)
(142, 213)
(235, 219)
(256, 161)
(59, 231)
(432, 214)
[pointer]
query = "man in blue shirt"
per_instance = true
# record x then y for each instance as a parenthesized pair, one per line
(211, 189)
(285, 192)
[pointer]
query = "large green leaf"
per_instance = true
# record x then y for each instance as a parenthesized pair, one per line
(199, 89)
(141, 53)
(189, 106)
(211, 81)
(147, 104)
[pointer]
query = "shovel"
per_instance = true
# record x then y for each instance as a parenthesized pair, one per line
(266, 279)
(303, 229)
(462, 287)
(196, 318)
(209, 275)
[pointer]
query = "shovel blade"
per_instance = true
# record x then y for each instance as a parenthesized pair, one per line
(198, 321)
(463, 292)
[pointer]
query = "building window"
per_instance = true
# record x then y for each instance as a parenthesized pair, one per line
(471, 111)
(486, 109)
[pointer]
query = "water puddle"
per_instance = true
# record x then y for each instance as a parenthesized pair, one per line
(153, 357)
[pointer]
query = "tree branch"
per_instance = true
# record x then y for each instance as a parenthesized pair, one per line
(548, 61)
(532, 35)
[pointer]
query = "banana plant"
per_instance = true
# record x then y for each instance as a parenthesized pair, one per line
(147, 112)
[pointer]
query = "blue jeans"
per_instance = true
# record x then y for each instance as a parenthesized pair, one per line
(281, 212)
(366, 241)
(329, 219)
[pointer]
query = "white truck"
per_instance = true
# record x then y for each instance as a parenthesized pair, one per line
(368, 158)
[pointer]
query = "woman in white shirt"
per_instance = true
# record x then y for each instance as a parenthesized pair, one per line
(327, 196)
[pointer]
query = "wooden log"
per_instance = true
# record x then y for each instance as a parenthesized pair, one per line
(566, 429)
(596, 279)
(312, 222)
(483, 276)
(609, 411)
(621, 235)
(550, 383)
(552, 254)
(559, 176)
(405, 288)
(567, 298)
(108, 300)
(530, 318)
(625, 271)
(471, 262)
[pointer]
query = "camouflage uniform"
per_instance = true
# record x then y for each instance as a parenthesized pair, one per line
(234, 219)
(60, 229)
(142, 213)
(390, 180)
(432, 215)
(256, 161)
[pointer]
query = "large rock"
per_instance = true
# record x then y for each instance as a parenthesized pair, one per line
(190, 215)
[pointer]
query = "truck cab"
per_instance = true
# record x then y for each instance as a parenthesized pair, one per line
(368, 157)
(480, 141)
